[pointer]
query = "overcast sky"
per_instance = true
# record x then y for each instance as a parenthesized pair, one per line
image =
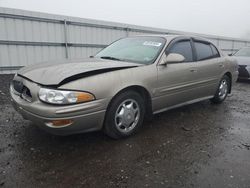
(217, 17)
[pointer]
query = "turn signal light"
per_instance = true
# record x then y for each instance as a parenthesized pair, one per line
(59, 123)
(83, 97)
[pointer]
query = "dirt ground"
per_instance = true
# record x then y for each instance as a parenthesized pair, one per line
(200, 145)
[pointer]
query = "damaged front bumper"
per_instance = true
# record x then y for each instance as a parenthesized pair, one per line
(83, 117)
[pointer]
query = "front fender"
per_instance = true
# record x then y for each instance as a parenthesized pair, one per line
(107, 85)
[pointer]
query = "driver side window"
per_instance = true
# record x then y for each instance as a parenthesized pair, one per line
(184, 48)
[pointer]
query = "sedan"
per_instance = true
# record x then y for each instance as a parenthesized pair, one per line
(115, 90)
(243, 59)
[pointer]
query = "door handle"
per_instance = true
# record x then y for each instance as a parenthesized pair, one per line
(221, 65)
(193, 70)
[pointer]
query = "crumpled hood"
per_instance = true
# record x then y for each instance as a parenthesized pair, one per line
(57, 72)
(242, 60)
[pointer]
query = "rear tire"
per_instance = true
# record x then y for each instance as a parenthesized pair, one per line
(125, 115)
(222, 91)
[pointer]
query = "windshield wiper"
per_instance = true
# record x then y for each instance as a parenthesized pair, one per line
(111, 58)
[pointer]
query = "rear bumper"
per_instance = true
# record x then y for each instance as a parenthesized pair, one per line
(85, 117)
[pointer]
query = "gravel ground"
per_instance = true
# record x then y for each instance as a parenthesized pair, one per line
(200, 145)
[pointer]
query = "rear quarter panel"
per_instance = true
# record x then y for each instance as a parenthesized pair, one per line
(231, 66)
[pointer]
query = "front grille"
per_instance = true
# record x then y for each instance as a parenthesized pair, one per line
(18, 86)
(21, 90)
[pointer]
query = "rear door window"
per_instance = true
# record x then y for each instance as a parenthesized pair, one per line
(215, 51)
(203, 51)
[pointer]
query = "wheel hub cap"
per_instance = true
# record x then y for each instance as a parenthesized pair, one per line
(127, 115)
(223, 89)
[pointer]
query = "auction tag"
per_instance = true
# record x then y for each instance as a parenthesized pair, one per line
(151, 43)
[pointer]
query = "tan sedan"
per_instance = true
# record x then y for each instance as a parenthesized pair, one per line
(127, 81)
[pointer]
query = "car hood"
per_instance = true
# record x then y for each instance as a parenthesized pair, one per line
(242, 60)
(58, 73)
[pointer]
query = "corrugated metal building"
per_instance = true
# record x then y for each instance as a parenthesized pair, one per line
(28, 37)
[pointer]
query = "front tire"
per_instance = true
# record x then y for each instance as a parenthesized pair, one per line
(222, 91)
(125, 115)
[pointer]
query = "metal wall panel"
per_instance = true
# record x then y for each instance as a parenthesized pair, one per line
(80, 52)
(25, 30)
(225, 45)
(28, 37)
(16, 55)
(91, 35)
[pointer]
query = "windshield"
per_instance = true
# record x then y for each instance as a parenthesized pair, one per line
(243, 52)
(142, 50)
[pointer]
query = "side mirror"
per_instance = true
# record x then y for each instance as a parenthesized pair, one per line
(173, 58)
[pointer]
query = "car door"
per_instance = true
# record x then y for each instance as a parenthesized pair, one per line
(175, 80)
(209, 67)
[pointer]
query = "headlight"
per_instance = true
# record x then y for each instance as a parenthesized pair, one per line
(64, 97)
